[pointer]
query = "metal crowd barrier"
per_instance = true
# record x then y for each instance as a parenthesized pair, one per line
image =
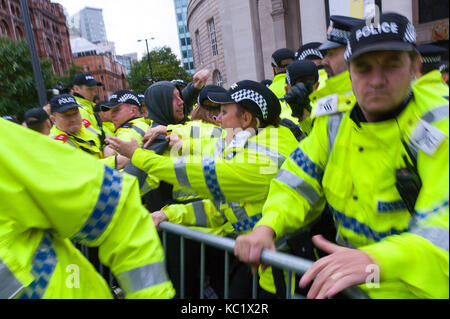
(290, 263)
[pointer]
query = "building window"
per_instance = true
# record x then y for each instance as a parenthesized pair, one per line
(212, 37)
(217, 78)
(199, 47)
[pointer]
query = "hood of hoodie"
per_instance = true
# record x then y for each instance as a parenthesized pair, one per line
(158, 100)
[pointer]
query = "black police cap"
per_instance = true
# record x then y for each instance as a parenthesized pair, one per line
(35, 115)
(339, 31)
(393, 33)
(301, 69)
(431, 54)
(257, 98)
(282, 54)
(309, 51)
(86, 79)
(63, 103)
(215, 94)
(121, 97)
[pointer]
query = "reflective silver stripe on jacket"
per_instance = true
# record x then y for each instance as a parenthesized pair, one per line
(432, 116)
(299, 185)
(144, 277)
(239, 211)
(181, 172)
(183, 193)
(334, 123)
(10, 286)
(219, 148)
(216, 132)
(140, 131)
(195, 132)
(68, 141)
(436, 235)
(200, 214)
(274, 156)
(90, 129)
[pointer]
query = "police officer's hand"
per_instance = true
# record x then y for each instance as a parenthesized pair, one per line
(298, 99)
(158, 217)
(200, 78)
(153, 133)
(174, 141)
(343, 268)
(248, 247)
(126, 149)
(121, 161)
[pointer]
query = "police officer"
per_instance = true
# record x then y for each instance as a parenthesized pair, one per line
(337, 91)
(254, 149)
(281, 58)
(125, 109)
(70, 128)
(302, 78)
(383, 169)
(71, 197)
(310, 51)
(38, 120)
(431, 57)
(84, 90)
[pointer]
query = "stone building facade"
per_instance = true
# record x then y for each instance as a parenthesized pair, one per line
(235, 39)
(50, 30)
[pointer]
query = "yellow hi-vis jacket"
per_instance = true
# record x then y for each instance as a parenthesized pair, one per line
(87, 112)
(353, 167)
(52, 195)
(323, 77)
(225, 179)
(86, 140)
(134, 128)
(336, 95)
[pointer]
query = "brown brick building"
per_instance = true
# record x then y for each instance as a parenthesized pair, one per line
(50, 31)
(105, 69)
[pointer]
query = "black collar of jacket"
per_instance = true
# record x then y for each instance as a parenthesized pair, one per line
(358, 117)
(78, 95)
(127, 123)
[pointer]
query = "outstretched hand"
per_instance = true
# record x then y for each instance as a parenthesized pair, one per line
(126, 149)
(153, 133)
(343, 268)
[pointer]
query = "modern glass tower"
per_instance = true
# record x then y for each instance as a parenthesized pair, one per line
(90, 25)
(184, 35)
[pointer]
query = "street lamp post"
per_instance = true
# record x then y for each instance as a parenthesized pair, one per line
(33, 53)
(148, 57)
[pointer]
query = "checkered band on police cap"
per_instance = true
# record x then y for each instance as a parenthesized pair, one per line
(255, 96)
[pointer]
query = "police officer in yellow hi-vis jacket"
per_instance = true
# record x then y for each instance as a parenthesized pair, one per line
(382, 167)
(64, 195)
(337, 87)
(254, 149)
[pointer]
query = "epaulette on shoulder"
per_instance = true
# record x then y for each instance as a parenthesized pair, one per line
(86, 123)
(61, 137)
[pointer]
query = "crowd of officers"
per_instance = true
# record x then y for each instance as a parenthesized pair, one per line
(341, 159)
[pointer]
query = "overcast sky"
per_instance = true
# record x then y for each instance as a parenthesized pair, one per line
(127, 21)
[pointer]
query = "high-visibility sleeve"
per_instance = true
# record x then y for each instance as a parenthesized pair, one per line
(296, 196)
(70, 193)
(201, 213)
(211, 177)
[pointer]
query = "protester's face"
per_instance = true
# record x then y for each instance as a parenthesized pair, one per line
(229, 117)
(69, 121)
(178, 106)
(317, 62)
(334, 61)
(122, 114)
(381, 80)
(88, 92)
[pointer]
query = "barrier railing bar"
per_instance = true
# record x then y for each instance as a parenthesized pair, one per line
(202, 270)
(276, 259)
(182, 267)
(227, 276)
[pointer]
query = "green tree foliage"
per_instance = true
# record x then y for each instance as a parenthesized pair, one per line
(17, 86)
(165, 67)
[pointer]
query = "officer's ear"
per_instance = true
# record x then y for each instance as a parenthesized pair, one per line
(316, 86)
(52, 118)
(246, 119)
(287, 88)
